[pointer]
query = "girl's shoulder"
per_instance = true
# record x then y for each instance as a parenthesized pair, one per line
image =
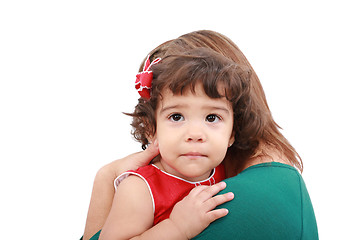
(132, 203)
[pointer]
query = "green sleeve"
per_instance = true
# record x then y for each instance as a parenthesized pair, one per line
(271, 202)
(95, 237)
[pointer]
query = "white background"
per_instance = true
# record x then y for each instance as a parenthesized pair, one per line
(67, 71)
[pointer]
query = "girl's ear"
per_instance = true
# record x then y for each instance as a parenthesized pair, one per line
(231, 140)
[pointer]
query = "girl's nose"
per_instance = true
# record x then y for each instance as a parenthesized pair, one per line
(195, 139)
(195, 134)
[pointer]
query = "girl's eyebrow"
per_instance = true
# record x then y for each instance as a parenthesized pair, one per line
(163, 109)
(218, 108)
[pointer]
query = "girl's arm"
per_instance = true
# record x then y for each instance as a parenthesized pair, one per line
(103, 187)
(131, 212)
(131, 215)
(191, 215)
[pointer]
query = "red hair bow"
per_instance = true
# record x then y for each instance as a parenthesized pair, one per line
(144, 78)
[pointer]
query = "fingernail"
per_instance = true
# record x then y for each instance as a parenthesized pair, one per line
(231, 195)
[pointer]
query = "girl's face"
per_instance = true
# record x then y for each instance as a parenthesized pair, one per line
(193, 132)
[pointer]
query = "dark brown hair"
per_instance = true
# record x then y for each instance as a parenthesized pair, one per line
(217, 63)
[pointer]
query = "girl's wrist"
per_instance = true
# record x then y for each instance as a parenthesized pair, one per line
(171, 230)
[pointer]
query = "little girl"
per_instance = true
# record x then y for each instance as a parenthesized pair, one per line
(203, 106)
(187, 109)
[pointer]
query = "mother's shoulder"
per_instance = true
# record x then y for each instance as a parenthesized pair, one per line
(264, 177)
(268, 202)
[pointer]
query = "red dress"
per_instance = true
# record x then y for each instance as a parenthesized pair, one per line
(166, 189)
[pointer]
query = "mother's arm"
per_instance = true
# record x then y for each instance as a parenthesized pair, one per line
(103, 188)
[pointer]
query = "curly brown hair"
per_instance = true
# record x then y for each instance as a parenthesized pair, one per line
(213, 60)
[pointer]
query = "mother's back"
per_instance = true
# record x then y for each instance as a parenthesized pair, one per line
(271, 202)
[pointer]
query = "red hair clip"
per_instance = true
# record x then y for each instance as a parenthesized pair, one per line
(144, 78)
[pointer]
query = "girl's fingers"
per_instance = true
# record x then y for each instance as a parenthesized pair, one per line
(209, 191)
(216, 214)
(213, 202)
(204, 192)
(197, 190)
(217, 200)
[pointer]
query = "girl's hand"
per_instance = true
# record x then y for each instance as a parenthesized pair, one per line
(196, 211)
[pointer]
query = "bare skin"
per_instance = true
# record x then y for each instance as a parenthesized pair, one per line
(103, 189)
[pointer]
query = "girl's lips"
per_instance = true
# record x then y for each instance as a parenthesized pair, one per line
(194, 154)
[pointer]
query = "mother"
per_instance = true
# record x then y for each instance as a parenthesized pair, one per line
(271, 198)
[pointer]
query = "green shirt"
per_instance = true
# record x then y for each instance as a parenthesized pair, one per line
(271, 202)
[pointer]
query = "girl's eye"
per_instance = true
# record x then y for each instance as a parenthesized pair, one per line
(176, 117)
(212, 118)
